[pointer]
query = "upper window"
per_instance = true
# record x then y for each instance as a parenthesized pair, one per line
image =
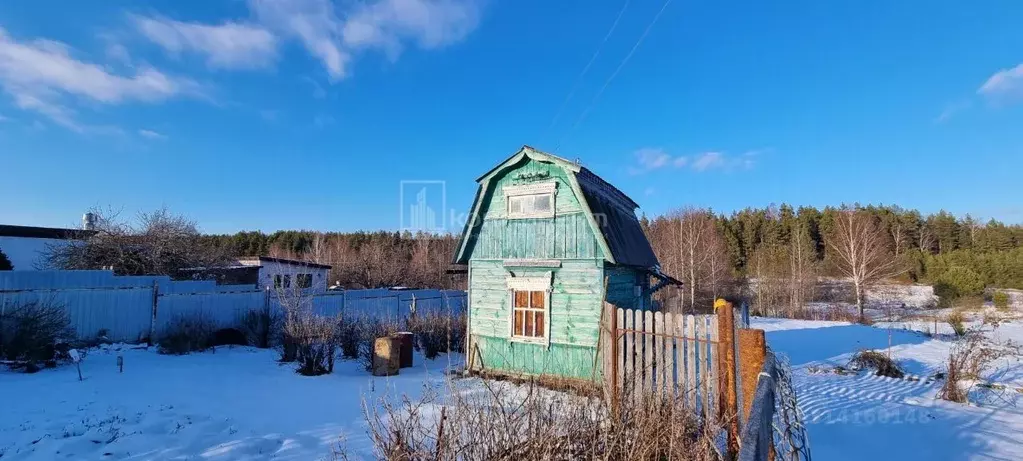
(531, 200)
(529, 204)
(304, 280)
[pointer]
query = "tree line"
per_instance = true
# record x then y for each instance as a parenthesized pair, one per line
(163, 243)
(776, 255)
(358, 259)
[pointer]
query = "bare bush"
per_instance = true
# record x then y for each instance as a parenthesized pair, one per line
(504, 422)
(970, 357)
(830, 313)
(955, 320)
(312, 341)
(350, 335)
(261, 327)
(436, 333)
(33, 333)
(186, 334)
(881, 363)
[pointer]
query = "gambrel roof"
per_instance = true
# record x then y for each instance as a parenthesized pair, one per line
(611, 213)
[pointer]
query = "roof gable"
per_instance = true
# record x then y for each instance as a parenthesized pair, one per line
(609, 212)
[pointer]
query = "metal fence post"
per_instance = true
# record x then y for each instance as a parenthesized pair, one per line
(152, 318)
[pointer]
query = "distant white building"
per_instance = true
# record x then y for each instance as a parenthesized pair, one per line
(277, 273)
(26, 246)
(265, 272)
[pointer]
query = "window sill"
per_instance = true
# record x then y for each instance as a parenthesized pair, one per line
(529, 215)
(528, 340)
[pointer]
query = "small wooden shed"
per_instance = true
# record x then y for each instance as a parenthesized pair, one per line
(547, 242)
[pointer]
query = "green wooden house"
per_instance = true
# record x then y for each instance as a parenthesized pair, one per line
(547, 243)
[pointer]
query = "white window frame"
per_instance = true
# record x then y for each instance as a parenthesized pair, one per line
(548, 188)
(527, 284)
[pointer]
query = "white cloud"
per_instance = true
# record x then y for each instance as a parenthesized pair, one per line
(150, 134)
(313, 22)
(41, 74)
(230, 45)
(652, 158)
(333, 35)
(708, 160)
(649, 159)
(951, 110)
(430, 23)
(1004, 84)
(655, 158)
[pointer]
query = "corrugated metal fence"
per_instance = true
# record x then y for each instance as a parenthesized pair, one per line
(130, 308)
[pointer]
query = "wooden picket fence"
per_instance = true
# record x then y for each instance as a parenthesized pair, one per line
(665, 355)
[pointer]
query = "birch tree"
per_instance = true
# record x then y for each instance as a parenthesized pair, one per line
(860, 251)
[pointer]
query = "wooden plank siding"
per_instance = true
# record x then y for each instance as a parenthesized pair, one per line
(575, 301)
(621, 287)
(566, 236)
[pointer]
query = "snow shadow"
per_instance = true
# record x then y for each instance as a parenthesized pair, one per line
(872, 417)
(828, 343)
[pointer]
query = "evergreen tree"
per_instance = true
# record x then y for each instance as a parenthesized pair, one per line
(945, 229)
(5, 263)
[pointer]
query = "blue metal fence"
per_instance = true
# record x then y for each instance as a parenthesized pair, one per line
(133, 308)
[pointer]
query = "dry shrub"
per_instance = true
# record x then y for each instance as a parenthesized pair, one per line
(874, 360)
(970, 357)
(437, 332)
(312, 341)
(951, 390)
(955, 320)
(350, 335)
(187, 333)
(1000, 299)
(503, 422)
(834, 314)
(34, 333)
(261, 327)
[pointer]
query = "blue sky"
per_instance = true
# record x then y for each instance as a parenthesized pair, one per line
(307, 114)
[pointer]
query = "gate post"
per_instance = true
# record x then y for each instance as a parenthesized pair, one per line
(729, 400)
(752, 353)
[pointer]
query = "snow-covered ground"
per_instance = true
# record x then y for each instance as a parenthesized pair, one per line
(862, 416)
(240, 404)
(236, 403)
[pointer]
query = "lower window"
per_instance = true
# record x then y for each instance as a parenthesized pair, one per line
(530, 308)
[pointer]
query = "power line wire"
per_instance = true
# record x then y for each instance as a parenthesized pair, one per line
(593, 101)
(586, 68)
